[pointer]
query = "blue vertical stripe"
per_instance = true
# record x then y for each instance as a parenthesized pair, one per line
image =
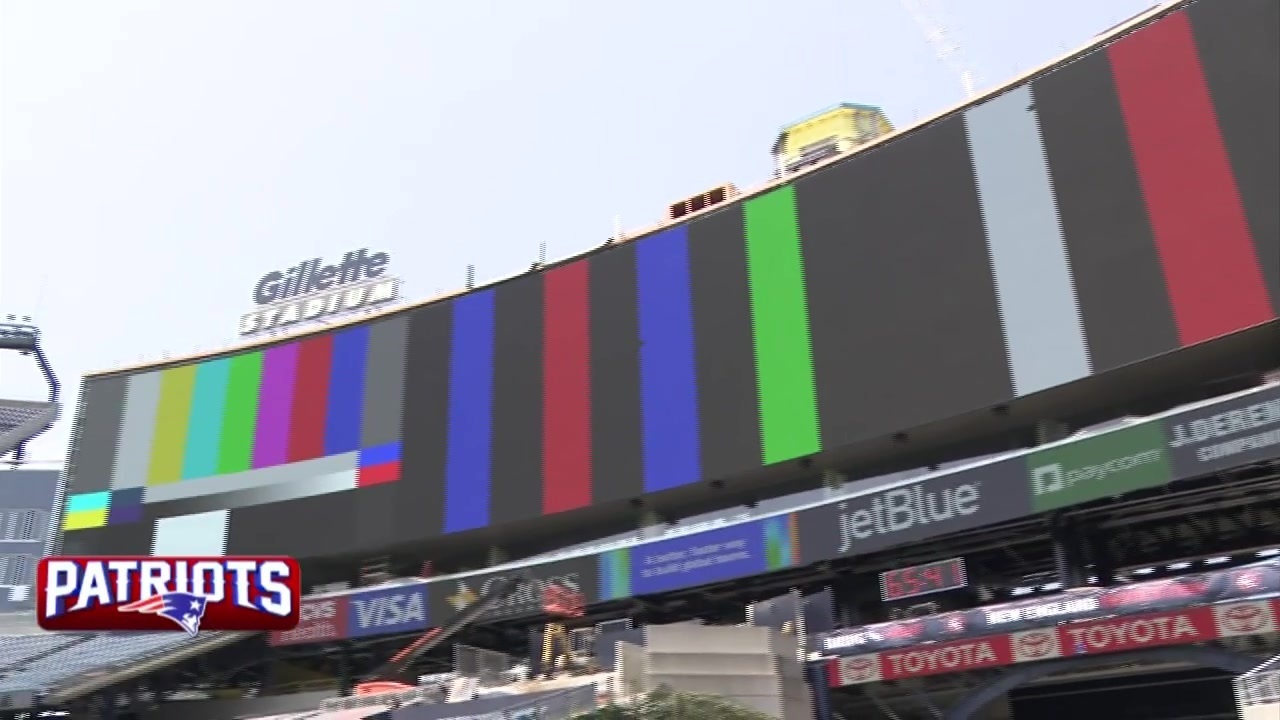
(345, 409)
(668, 383)
(204, 427)
(467, 462)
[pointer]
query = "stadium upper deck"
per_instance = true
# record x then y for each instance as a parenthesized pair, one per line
(1038, 243)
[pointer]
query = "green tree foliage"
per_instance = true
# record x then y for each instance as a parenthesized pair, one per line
(664, 704)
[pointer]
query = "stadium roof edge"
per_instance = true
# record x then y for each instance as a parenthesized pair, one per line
(1150, 15)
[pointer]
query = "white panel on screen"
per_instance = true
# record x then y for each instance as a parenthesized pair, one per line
(200, 534)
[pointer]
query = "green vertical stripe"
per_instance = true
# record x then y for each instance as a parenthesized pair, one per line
(204, 431)
(240, 416)
(173, 415)
(780, 324)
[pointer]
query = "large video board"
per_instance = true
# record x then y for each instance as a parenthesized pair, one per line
(1115, 209)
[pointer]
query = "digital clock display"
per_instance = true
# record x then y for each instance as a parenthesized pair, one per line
(923, 579)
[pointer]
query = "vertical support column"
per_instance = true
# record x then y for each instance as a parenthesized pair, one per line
(497, 555)
(819, 691)
(1104, 564)
(833, 482)
(650, 523)
(345, 682)
(1068, 549)
(1067, 555)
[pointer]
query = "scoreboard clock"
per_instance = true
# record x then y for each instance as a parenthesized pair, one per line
(917, 580)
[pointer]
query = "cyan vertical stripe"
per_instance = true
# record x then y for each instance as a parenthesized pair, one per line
(345, 408)
(1034, 287)
(467, 462)
(204, 431)
(668, 381)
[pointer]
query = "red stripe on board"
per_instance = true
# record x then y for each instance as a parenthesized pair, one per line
(378, 474)
(566, 389)
(310, 398)
(1202, 236)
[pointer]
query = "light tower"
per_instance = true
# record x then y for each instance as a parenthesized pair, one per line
(22, 420)
(930, 20)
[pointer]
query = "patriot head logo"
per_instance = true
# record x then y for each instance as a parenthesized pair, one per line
(184, 609)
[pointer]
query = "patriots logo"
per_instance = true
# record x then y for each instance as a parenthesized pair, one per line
(183, 609)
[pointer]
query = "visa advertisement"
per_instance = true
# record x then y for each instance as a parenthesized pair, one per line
(386, 611)
(365, 613)
(712, 556)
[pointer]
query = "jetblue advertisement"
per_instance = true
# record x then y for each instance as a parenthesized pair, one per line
(712, 556)
(385, 611)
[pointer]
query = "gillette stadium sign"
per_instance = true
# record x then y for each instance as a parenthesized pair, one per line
(313, 291)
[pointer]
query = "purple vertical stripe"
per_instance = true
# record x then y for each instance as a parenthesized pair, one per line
(275, 403)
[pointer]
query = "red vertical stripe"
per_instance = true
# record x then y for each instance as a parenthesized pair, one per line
(566, 389)
(310, 395)
(1214, 280)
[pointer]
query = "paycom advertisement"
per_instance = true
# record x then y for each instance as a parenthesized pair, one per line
(711, 556)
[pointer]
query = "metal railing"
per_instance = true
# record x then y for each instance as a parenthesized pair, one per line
(1259, 686)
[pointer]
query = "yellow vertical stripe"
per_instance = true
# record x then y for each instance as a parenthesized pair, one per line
(173, 415)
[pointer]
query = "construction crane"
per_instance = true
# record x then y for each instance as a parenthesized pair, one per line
(395, 674)
(929, 18)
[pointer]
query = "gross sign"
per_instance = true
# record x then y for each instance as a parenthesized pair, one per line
(312, 290)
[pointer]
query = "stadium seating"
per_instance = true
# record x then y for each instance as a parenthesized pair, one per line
(22, 419)
(15, 650)
(44, 661)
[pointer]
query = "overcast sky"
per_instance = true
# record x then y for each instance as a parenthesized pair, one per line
(158, 157)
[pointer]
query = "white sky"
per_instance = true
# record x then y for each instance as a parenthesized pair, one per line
(157, 157)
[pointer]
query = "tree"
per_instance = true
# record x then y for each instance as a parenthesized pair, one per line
(665, 704)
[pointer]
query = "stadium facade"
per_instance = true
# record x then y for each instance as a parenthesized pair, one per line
(27, 501)
(963, 299)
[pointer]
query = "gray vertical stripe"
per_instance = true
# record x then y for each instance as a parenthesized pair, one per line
(1038, 307)
(384, 382)
(97, 434)
(133, 455)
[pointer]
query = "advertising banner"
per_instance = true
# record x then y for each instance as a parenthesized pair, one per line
(321, 619)
(389, 610)
(933, 506)
(1138, 632)
(1078, 605)
(1224, 435)
(697, 559)
(1103, 465)
(449, 596)
(1237, 430)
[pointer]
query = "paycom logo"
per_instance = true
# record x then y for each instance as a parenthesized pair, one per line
(1101, 466)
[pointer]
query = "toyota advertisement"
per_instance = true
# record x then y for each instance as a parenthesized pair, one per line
(1103, 636)
(1251, 582)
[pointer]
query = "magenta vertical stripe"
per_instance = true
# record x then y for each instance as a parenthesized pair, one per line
(275, 403)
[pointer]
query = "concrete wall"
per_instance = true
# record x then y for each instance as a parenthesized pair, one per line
(1269, 711)
(755, 667)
